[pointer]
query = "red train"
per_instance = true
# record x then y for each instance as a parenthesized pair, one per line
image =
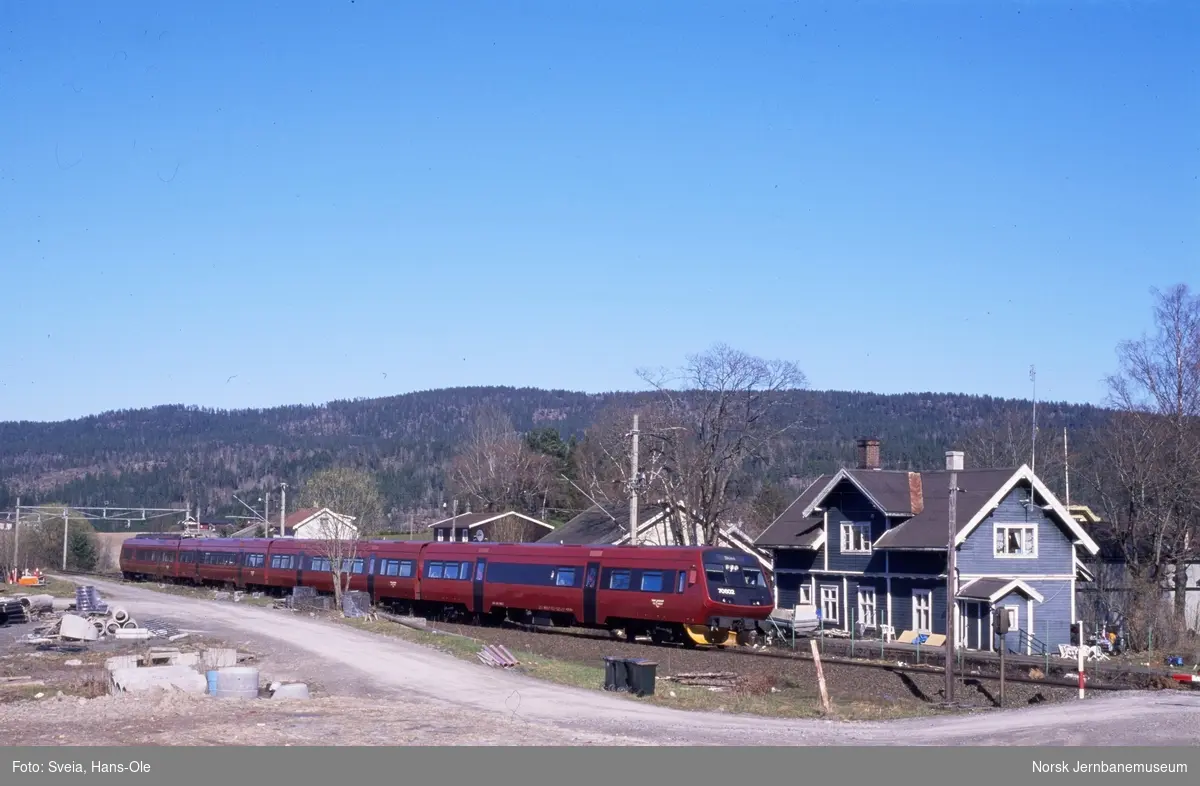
(689, 595)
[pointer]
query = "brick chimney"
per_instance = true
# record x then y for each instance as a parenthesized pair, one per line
(868, 453)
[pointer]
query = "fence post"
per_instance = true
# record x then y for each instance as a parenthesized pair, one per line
(852, 611)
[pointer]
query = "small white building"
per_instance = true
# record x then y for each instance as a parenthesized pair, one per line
(320, 524)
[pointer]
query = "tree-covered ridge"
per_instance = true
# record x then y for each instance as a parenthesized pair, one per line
(175, 454)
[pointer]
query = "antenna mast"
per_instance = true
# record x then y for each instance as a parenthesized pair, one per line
(1066, 468)
(1033, 458)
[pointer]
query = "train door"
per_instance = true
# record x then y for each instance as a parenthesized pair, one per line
(477, 584)
(591, 580)
(371, 578)
(300, 568)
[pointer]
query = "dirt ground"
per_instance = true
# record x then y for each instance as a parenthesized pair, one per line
(374, 689)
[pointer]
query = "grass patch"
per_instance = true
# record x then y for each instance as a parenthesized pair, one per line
(56, 587)
(785, 701)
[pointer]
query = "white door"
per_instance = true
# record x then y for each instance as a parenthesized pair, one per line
(922, 611)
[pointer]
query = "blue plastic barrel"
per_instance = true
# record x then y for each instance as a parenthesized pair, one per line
(212, 682)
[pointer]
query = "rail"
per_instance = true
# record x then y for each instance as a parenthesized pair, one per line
(974, 675)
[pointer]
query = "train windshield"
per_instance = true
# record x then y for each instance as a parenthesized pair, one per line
(732, 575)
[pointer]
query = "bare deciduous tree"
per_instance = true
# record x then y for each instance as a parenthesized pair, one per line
(497, 470)
(1147, 469)
(711, 417)
(352, 494)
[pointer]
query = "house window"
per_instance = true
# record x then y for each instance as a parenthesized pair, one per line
(805, 596)
(856, 538)
(440, 535)
(1016, 540)
(829, 604)
(866, 606)
(922, 611)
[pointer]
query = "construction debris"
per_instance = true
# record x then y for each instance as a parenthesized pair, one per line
(498, 657)
(180, 678)
(712, 679)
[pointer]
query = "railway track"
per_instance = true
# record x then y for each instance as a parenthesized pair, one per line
(975, 672)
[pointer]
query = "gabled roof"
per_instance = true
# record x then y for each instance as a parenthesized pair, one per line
(1052, 505)
(893, 492)
(929, 530)
(472, 520)
(594, 525)
(794, 528)
(923, 500)
(993, 590)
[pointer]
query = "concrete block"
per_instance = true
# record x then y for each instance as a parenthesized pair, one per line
(218, 658)
(121, 662)
(179, 678)
(189, 659)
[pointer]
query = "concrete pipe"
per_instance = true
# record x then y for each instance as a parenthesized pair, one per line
(74, 627)
(129, 624)
(112, 627)
(38, 602)
(98, 625)
(120, 615)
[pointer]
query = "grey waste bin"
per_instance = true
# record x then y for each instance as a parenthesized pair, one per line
(616, 674)
(642, 675)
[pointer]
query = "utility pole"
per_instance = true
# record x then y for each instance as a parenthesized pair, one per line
(633, 485)
(267, 514)
(66, 522)
(951, 589)
(16, 533)
(282, 510)
(454, 522)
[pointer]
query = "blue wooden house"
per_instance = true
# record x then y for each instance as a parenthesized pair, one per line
(867, 548)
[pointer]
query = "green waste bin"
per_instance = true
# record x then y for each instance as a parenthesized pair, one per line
(642, 675)
(616, 674)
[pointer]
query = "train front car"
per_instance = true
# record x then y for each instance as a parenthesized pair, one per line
(738, 598)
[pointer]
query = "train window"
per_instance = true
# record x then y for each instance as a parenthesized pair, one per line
(282, 562)
(565, 577)
(389, 567)
(464, 571)
(682, 583)
(406, 568)
(435, 570)
(255, 560)
(619, 580)
(356, 566)
(715, 575)
(319, 563)
(479, 568)
(451, 570)
(652, 581)
(591, 578)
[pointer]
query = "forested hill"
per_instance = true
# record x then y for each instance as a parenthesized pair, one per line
(171, 454)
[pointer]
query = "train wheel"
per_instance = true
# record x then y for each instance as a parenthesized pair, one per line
(705, 636)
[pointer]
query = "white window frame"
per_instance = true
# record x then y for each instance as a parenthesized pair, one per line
(999, 528)
(917, 595)
(440, 536)
(849, 530)
(1014, 617)
(868, 592)
(804, 596)
(829, 597)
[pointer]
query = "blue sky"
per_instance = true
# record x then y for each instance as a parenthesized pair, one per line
(898, 196)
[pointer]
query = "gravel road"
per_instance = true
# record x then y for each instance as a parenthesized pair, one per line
(385, 667)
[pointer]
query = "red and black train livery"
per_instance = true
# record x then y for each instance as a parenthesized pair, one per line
(691, 595)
